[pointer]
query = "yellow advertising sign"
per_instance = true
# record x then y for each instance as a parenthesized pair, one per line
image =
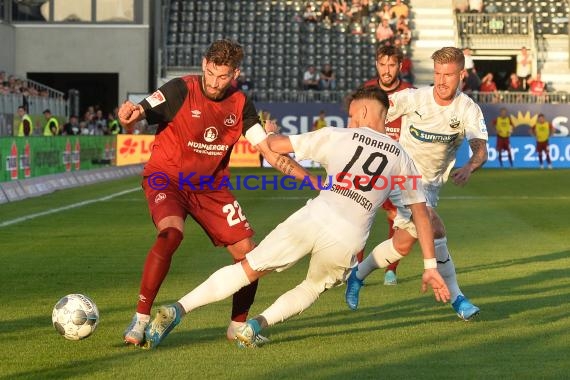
(244, 155)
(133, 149)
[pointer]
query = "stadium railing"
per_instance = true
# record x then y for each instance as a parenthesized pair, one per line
(9, 104)
(496, 30)
(307, 96)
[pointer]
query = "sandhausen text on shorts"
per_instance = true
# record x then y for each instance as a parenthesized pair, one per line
(342, 181)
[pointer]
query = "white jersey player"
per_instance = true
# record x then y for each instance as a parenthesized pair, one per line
(362, 165)
(435, 121)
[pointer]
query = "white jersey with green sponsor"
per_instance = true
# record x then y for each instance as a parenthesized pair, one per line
(431, 134)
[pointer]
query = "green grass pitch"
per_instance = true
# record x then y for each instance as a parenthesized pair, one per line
(508, 230)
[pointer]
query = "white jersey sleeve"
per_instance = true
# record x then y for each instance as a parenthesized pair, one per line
(312, 145)
(475, 127)
(401, 103)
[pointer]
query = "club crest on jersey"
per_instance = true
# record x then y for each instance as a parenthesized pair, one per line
(210, 134)
(230, 120)
(196, 113)
(418, 134)
(454, 123)
(159, 197)
(156, 98)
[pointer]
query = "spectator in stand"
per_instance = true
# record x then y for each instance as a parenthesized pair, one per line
(310, 14)
(51, 127)
(26, 127)
(538, 88)
(89, 119)
(341, 9)
(475, 6)
(113, 124)
(100, 123)
(327, 79)
(311, 79)
(524, 65)
(514, 83)
(461, 6)
(384, 12)
(84, 128)
(72, 127)
(542, 131)
(400, 9)
(472, 82)
(469, 62)
(328, 12)
(384, 32)
(403, 31)
(488, 85)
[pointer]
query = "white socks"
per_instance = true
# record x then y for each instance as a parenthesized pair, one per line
(446, 268)
(143, 317)
(291, 303)
(383, 255)
(220, 285)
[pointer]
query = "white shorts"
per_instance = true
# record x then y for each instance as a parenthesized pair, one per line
(403, 219)
(298, 236)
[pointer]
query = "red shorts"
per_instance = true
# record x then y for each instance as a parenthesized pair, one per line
(503, 143)
(217, 211)
(542, 146)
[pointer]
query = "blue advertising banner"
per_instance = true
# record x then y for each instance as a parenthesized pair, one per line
(295, 118)
(523, 151)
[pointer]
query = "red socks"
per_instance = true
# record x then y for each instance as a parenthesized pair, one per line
(156, 267)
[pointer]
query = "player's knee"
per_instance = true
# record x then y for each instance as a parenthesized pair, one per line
(168, 240)
(240, 249)
(402, 247)
(437, 225)
(312, 287)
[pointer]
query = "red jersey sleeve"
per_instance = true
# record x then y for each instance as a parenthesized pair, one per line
(163, 104)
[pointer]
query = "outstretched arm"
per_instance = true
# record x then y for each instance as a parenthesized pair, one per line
(430, 276)
(275, 150)
(479, 157)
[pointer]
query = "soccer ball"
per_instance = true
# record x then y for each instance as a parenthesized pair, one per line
(75, 316)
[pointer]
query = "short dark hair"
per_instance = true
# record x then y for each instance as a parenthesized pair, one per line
(225, 52)
(369, 92)
(47, 110)
(390, 51)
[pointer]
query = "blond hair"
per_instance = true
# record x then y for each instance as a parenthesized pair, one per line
(449, 55)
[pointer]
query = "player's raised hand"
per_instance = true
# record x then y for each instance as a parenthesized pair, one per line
(130, 113)
(432, 278)
(271, 126)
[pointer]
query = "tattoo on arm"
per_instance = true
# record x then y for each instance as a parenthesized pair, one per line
(479, 148)
(284, 164)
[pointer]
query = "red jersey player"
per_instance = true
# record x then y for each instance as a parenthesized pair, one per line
(199, 120)
(388, 64)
